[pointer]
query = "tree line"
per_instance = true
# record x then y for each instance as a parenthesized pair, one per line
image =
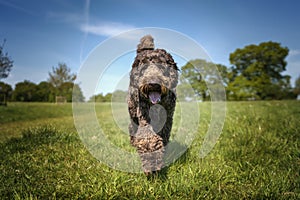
(59, 84)
(116, 96)
(256, 73)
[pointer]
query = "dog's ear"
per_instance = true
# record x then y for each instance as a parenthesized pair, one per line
(170, 61)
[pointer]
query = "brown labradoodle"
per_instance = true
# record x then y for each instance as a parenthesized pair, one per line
(151, 102)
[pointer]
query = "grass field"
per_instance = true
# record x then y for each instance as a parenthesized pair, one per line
(256, 157)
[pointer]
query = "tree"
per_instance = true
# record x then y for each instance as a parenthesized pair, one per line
(198, 73)
(5, 63)
(59, 76)
(5, 93)
(119, 96)
(256, 72)
(45, 92)
(25, 91)
(97, 98)
(297, 86)
(77, 94)
(72, 92)
(108, 97)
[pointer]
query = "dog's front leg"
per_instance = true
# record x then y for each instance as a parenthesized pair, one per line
(149, 144)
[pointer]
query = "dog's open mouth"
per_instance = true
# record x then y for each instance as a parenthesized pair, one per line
(153, 91)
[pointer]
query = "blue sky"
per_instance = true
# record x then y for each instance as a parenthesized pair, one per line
(40, 34)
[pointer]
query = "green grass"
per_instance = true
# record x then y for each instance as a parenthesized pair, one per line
(16, 112)
(256, 157)
(19, 116)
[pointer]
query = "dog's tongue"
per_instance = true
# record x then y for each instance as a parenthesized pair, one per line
(154, 97)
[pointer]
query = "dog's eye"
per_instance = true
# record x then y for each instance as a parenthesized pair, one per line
(164, 90)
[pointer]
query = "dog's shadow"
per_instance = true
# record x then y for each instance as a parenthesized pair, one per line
(175, 153)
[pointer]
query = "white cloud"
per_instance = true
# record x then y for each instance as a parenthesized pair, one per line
(106, 29)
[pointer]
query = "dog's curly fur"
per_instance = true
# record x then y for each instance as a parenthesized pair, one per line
(155, 73)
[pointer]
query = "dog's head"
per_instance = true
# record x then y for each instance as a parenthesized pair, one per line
(154, 71)
(156, 81)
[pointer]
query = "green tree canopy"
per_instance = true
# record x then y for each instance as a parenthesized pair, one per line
(5, 88)
(5, 93)
(297, 86)
(45, 92)
(5, 63)
(77, 95)
(25, 91)
(197, 74)
(119, 96)
(72, 92)
(116, 96)
(256, 72)
(97, 98)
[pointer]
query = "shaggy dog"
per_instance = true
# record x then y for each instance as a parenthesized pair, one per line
(151, 103)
